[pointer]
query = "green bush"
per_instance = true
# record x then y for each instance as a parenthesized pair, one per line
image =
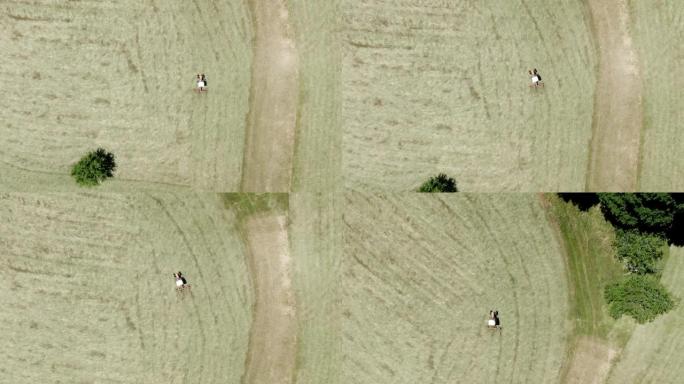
(645, 212)
(94, 167)
(639, 252)
(639, 296)
(439, 183)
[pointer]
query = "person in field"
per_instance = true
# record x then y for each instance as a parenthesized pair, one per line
(180, 275)
(201, 83)
(179, 281)
(182, 286)
(536, 78)
(497, 322)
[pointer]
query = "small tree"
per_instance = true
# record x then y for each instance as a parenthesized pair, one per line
(639, 296)
(94, 167)
(640, 252)
(439, 183)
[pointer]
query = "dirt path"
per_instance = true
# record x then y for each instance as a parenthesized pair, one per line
(591, 362)
(269, 142)
(272, 341)
(618, 115)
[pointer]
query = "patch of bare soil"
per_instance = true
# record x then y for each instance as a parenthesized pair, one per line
(591, 362)
(618, 112)
(270, 138)
(273, 337)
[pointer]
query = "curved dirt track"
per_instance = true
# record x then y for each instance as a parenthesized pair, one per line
(272, 341)
(269, 142)
(591, 362)
(618, 113)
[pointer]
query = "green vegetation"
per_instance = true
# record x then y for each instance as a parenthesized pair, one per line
(246, 204)
(639, 296)
(644, 223)
(588, 239)
(641, 253)
(94, 167)
(653, 353)
(439, 183)
(645, 212)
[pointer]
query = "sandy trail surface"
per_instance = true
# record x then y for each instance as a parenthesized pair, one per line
(272, 344)
(618, 113)
(269, 142)
(591, 362)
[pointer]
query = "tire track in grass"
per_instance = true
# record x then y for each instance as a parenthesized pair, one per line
(272, 341)
(269, 142)
(618, 108)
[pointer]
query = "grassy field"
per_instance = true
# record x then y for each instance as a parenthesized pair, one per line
(317, 154)
(421, 274)
(316, 241)
(654, 352)
(435, 86)
(591, 264)
(597, 338)
(90, 293)
(120, 75)
(381, 94)
(311, 288)
(658, 27)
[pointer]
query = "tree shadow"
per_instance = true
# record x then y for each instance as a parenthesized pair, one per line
(582, 200)
(676, 233)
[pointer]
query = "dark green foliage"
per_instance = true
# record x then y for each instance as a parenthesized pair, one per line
(645, 212)
(94, 167)
(640, 253)
(639, 296)
(439, 183)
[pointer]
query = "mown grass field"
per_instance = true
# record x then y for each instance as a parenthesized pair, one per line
(420, 274)
(316, 242)
(89, 292)
(120, 75)
(658, 27)
(378, 288)
(441, 86)
(318, 153)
